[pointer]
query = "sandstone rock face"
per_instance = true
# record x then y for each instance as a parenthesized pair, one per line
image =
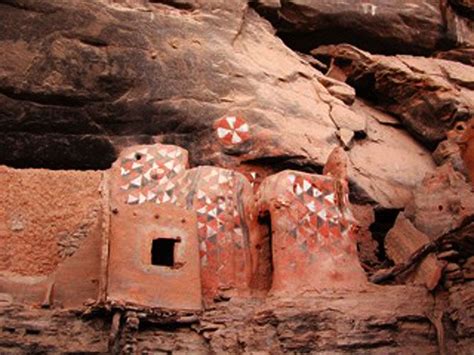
(463, 55)
(211, 228)
(402, 241)
(87, 87)
(443, 202)
(381, 320)
(466, 142)
(388, 164)
(105, 79)
(427, 95)
(449, 150)
(381, 26)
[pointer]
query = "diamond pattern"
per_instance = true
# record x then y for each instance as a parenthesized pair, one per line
(148, 174)
(315, 212)
(218, 217)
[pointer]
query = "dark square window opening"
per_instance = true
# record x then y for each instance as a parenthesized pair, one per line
(162, 252)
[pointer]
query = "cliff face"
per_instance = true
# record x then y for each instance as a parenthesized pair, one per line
(254, 87)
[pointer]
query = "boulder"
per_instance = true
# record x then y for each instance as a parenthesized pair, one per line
(449, 150)
(388, 164)
(401, 242)
(463, 55)
(442, 202)
(428, 95)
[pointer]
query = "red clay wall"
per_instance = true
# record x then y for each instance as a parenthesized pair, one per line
(221, 200)
(313, 245)
(46, 217)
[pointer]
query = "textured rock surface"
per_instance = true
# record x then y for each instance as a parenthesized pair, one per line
(388, 164)
(427, 95)
(441, 203)
(380, 26)
(462, 312)
(73, 93)
(81, 81)
(449, 150)
(463, 55)
(385, 319)
(104, 74)
(466, 145)
(402, 241)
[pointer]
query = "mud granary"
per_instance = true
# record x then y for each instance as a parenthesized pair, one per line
(154, 233)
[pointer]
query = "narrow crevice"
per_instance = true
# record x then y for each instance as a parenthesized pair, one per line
(42, 8)
(464, 9)
(93, 41)
(173, 3)
(305, 36)
(384, 221)
(56, 152)
(365, 88)
(44, 98)
(287, 162)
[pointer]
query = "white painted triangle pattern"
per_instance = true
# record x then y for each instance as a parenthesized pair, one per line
(124, 171)
(306, 185)
(151, 196)
(322, 214)
(311, 206)
(200, 194)
(330, 198)
(130, 156)
(298, 189)
(222, 132)
(316, 192)
(132, 199)
(222, 179)
(136, 166)
(231, 121)
(137, 182)
(244, 128)
(236, 138)
(147, 176)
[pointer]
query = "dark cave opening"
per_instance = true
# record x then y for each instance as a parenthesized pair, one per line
(384, 221)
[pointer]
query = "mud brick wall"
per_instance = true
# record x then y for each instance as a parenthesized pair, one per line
(51, 225)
